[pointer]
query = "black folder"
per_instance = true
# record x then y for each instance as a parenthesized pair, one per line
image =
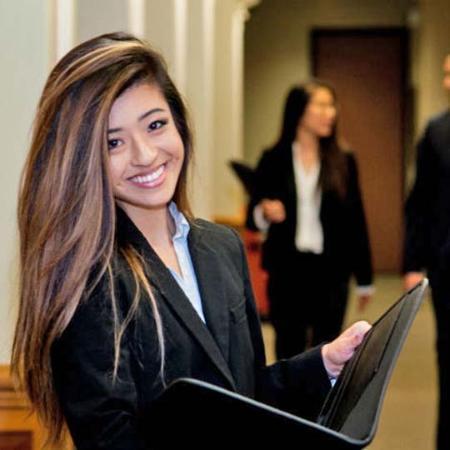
(189, 409)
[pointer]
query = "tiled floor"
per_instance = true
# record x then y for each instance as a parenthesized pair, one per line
(409, 410)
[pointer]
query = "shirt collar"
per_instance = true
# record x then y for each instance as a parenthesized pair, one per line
(298, 166)
(182, 226)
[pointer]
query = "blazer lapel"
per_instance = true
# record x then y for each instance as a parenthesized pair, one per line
(290, 187)
(289, 173)
(162, 280)
(211, 283)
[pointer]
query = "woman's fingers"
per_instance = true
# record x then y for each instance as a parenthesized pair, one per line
(338, 352)
(274, 210)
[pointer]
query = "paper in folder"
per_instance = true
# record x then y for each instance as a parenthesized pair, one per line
(189, 410)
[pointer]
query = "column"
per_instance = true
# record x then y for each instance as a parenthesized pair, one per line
(200, 97)
(230, 22)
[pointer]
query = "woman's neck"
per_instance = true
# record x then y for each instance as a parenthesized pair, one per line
(307, 149)
(308, 142)
(156, 225)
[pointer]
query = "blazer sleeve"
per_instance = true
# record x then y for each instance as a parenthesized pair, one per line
(417, 213)
(360, 246)
(299, 384)
(101, 413)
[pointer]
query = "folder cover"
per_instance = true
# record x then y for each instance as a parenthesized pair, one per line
(189, 409)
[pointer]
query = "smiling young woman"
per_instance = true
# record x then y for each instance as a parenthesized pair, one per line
(122, 291)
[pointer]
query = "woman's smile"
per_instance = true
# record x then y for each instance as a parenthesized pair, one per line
(150, 179)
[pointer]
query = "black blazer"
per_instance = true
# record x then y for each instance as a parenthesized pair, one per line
(227, 352)
(427, 238)
(346, 243)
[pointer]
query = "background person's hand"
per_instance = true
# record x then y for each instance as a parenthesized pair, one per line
(273, 210)
(336, 353)
(411, 279)
(363, 301)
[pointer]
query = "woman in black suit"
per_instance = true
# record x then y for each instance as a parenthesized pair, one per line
(308, 200)
(122, 290)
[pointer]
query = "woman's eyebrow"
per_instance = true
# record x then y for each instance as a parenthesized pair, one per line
(149, 112)
(140, 118)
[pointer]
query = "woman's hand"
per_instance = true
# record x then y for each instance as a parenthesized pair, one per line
(273, 210)
(363, 301)
(411, 279)
(336, 353)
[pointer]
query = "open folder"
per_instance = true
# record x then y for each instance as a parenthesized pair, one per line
(189, 411)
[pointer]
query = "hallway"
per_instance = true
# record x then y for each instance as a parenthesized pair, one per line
(409, 409)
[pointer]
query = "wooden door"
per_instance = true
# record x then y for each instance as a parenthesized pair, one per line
(368, 69)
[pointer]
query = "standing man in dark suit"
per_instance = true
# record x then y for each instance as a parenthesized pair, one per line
(427, 245)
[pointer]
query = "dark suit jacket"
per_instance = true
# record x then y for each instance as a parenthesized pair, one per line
(227, 352)
(346, 244)
(427, 240)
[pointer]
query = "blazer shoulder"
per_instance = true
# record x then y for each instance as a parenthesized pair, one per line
(275, 153)
(213, 232)
(221, 239)
(436, 136)
(96, 301)
(349, 155)
(350, 162)
(437, 126)
(440, 120)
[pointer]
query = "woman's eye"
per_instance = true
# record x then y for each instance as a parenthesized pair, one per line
(113, 143)
(157, 124)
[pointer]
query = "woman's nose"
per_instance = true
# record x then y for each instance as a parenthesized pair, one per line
(143, 152)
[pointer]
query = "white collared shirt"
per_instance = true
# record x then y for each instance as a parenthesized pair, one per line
(188, 279)
(309, 231)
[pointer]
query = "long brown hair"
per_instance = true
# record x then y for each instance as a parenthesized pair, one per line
(333, 171)
(66, 211)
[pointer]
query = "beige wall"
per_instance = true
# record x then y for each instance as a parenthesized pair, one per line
(99, 16)
(228, 116)
(277, 53)
(24, 59)
(433, 43)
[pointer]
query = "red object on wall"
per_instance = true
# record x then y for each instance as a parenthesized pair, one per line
(258, 276)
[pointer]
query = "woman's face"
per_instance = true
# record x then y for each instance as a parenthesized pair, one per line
(320, 113)
(146, 151)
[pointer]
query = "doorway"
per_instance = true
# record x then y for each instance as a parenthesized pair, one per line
(368, 69)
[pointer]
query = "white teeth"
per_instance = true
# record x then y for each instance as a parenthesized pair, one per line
(150, 177)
